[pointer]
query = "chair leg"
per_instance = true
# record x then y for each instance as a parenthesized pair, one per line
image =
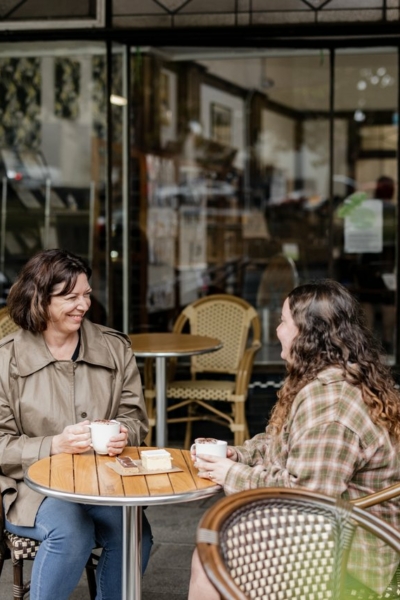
(1, 563)
(91, 577)
(188, 434)
(19, 590)
(240, 420)
(149, 396)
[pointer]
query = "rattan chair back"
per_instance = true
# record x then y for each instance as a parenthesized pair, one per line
(236, 324)
(282, 544)
(227, 318)
(7, 325)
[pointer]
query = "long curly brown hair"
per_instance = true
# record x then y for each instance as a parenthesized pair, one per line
(332, 332)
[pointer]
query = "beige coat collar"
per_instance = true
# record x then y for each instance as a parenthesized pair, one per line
(32, 354)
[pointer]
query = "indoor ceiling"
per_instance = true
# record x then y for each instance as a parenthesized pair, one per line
(299, 79)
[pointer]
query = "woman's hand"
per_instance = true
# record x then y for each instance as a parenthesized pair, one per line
(213, 467)
(75, 439)
(118, 442)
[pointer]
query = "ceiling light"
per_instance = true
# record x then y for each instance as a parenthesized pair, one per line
(387, 80)
(118, 100)
(361, 85)
(359, 116)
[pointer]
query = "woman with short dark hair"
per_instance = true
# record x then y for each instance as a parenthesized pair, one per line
(58, 372)
(335, 428)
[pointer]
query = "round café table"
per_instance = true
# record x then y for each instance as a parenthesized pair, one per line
(86, 478)
(161, 346)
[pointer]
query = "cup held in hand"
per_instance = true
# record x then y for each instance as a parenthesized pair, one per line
(101, 432)
(210, 446)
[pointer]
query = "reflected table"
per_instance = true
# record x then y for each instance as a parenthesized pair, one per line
(161, 346)
(86, 478)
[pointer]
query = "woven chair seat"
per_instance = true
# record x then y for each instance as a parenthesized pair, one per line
(21, 548)
(265, 565)
(282, 544)
(201, 390)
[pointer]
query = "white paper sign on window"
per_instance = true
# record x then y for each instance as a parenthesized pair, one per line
(363, 228)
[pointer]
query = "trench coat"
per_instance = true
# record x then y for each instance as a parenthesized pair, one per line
(40, 396)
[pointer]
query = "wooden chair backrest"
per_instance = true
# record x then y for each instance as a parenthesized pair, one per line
(228, 318)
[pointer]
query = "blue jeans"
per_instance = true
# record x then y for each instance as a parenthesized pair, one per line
(68, 532)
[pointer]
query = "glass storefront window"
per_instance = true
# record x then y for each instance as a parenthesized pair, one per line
(211, 171)
(366, 93)
(51, 129)
(236, 166)
(244, 188)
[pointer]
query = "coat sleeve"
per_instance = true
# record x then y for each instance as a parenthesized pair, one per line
(17, 451)
(324, 459)
(131, 411)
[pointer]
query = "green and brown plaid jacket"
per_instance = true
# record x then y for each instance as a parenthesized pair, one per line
(329, 444)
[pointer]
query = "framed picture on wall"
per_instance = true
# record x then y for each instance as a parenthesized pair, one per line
(221, 123)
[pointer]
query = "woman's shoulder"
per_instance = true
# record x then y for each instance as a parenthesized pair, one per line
(7, 342)
(330, 385)
(330, 398)
(106, 332)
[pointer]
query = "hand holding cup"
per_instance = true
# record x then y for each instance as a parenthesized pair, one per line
(108, 436)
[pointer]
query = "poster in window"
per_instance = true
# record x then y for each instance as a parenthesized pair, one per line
(363, 228)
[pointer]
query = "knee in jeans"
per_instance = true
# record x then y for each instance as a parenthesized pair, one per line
(74, 537)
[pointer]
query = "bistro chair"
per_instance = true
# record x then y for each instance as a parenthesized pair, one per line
(287, 544)
(19, 549)
(7, 325)
(277, 281)
(218, 377)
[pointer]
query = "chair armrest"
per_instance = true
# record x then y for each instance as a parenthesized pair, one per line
(245, 368)
(378, 497)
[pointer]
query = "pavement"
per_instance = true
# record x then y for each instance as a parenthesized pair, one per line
(168, 573)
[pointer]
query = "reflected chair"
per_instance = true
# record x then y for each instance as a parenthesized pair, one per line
(287, 544)
(277, 281)
(7, 325)
(217, 377)
(19, 549)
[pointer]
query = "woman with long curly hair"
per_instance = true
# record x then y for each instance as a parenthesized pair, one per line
(335, 428)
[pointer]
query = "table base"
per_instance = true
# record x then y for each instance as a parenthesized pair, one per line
(132, 553)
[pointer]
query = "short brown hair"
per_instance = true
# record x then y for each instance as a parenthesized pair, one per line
(30, 295)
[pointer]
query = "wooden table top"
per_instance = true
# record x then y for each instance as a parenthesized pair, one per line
(86, 478)
(172, 344)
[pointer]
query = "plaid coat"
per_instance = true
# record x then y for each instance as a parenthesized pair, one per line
(329, 444)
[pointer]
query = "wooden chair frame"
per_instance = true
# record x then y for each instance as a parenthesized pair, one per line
(208, 533)
(235, 419)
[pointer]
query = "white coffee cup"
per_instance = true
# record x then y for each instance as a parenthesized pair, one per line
(101, 432)
(210, 446)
